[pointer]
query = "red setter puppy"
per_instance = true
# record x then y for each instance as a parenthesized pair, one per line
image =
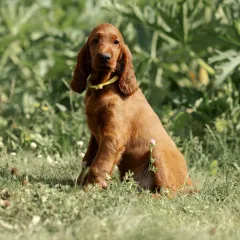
(121, 121)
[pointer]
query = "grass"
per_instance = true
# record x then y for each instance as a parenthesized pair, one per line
(46, 204)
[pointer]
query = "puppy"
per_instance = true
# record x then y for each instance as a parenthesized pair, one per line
(125, 131)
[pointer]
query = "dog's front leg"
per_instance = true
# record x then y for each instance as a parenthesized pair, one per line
(109, 153)
(88, 160)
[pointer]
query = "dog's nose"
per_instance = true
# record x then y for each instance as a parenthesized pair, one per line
(105, 56)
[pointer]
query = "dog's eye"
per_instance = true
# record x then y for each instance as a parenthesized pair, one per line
(116, 42)
(95, 40)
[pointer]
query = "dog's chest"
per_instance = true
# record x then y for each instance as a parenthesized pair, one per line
(100, 111)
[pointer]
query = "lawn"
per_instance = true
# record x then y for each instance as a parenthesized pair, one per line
(39, 200)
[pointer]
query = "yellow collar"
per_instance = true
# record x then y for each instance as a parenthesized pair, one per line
(101, 85)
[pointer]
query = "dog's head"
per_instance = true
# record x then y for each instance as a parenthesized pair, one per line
(105, 51)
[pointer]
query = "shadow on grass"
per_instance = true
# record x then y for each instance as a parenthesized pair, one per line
(52, 182)
(10, 174)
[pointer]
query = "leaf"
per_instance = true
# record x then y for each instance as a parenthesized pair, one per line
(204, 65)
(230, 60)
(143, 67)
(185, 22)
(220, 56)
(180, 121)
(61, 107)
(138, 13)
(237, 26)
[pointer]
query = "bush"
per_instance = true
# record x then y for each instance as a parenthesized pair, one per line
(186, 58)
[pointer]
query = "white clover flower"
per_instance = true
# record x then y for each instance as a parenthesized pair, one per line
(82, 154)
(57, 156)
(33, 145)
(39, 156)
(50, 160)
(13, 154)
(35, 221)
(152, 142)
(44, 199)
(1, 144)
(80, 144)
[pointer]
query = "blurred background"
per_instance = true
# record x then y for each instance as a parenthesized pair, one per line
(186, 58)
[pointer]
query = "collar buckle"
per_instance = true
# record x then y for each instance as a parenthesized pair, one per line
(101, 85)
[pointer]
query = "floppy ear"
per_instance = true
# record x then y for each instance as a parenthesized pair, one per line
(127, 81)
(82, 70)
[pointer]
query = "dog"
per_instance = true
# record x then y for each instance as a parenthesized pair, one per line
(125, 131)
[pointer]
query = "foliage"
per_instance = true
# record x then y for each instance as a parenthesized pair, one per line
(186, 54)
(38, 43)
(186, 57)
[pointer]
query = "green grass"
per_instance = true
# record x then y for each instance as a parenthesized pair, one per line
(51, 207)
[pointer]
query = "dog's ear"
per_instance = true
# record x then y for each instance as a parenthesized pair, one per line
(127, 81)
(82, 70)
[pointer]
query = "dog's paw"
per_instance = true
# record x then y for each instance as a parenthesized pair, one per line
(102, 184)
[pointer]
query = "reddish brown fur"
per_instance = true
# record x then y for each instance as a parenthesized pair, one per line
(121, 121)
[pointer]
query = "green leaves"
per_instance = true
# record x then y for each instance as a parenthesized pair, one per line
(225, 64)
(183, 51)
(185, 21)
(39, 42)
(180, 121)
